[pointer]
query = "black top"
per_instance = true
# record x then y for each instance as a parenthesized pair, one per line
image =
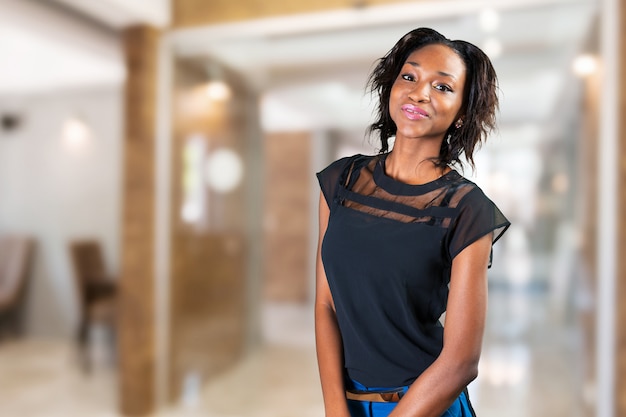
(387, 254)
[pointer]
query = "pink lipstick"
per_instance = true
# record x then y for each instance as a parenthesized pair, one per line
(414, 113)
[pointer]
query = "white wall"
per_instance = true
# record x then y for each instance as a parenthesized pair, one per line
(45, 48)
(58, 192)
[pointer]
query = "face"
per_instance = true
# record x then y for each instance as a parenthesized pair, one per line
(427, 96)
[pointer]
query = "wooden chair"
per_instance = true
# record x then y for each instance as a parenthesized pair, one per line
(15, 259)
(97, 294)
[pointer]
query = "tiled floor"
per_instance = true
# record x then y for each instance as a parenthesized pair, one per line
(530, 368)
(41, 378)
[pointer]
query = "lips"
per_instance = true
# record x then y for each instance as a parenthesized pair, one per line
(414, 113)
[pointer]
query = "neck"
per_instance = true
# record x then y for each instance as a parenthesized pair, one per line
(414, 164)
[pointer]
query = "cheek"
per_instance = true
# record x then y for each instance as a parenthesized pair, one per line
(395, 101)
(454, 107)
(395, 96)
(393, 93)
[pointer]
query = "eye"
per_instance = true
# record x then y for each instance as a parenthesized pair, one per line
(408, 77)
(443, 87)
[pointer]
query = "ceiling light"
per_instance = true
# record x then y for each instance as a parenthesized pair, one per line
(75, 133)
(489, 20)
(218, 91)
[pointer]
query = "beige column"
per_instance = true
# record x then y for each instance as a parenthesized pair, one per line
(620, 319)
(137, 317)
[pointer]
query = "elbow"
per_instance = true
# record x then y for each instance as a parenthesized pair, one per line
(462, 363)
(463, 369)
(472, 373)
(467, 371)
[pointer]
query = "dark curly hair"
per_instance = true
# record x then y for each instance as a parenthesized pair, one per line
(480, 99)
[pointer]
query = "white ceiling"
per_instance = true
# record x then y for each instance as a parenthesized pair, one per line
(312, 67)
(44, 48)
(122, 13)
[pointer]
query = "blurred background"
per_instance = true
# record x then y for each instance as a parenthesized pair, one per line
(158, 204)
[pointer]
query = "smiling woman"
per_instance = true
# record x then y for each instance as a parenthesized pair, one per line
(405, 238)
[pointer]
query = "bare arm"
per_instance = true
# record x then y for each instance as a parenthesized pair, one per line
(457, 365)
(327, 337)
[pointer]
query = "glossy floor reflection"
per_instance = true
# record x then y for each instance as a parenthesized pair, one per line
(42, 378)
(532, 362)
(530, 367)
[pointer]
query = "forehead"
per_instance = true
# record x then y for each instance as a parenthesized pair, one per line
(440, 58)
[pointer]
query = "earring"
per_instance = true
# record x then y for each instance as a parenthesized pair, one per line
(458, 123)
(448, 138)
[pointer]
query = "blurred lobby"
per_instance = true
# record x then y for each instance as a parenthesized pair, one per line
(158, 203)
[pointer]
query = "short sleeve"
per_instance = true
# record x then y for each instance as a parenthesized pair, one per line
(477, 216)
(330, 177)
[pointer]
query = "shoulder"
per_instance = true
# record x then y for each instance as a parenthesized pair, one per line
(470, 201)
(335, 169)
(336, 166)
(473, 194)
(346, 160)
(461, 191)
(335, 174)
(475, 216)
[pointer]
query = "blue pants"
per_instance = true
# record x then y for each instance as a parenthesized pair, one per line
(459, 408)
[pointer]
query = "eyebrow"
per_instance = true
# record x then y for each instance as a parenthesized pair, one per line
(445, 74)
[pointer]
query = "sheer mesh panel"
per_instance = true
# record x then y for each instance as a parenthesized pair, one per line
(363, 194)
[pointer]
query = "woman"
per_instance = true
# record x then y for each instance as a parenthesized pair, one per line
(405, 238)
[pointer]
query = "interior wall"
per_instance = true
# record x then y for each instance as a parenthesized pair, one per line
(286, 212)
(58, 192)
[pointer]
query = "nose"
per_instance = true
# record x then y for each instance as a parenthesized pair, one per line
(420, 92)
